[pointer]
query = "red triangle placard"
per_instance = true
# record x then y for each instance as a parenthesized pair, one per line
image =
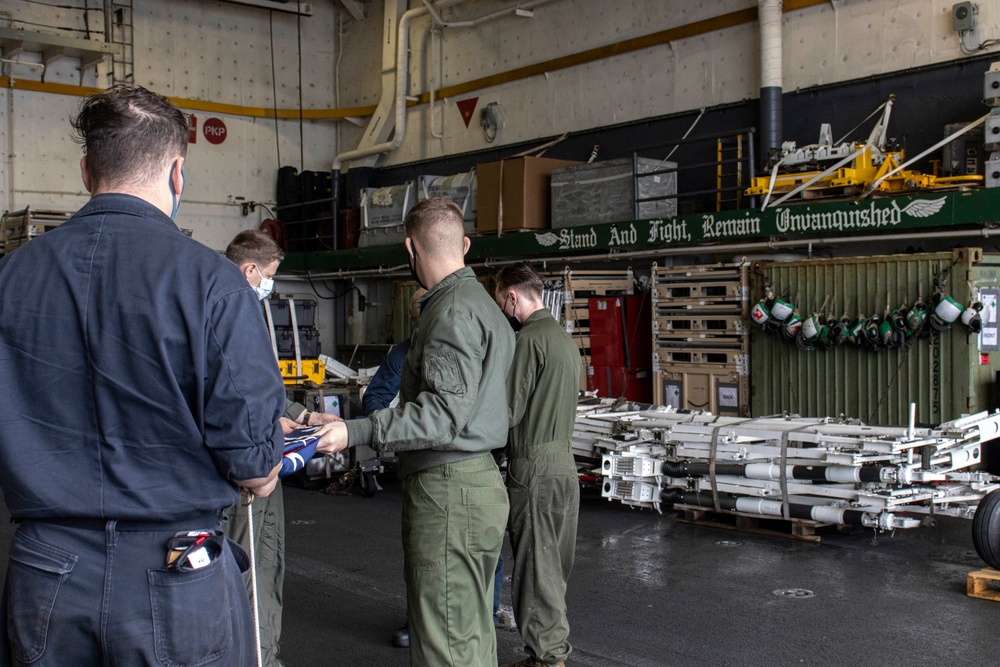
(467, 108)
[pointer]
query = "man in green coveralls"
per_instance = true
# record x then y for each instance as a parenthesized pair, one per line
(450, 416)
(258, 257)
(542, 390)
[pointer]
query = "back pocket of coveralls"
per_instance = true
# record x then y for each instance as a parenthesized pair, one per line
(192, 614)
(487, 508)
(557, 492)
(35, 574)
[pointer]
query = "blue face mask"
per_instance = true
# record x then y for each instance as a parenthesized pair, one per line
(264, 289)
(175, 196)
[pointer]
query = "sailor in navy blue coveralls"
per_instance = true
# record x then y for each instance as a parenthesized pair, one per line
(138, 386)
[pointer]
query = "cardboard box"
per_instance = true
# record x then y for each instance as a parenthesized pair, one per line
(721, 392)
(514, 194)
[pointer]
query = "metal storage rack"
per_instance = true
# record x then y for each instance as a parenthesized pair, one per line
(700, 341)
(19, 227)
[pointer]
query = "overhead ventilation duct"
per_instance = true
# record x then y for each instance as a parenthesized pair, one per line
(769, 16)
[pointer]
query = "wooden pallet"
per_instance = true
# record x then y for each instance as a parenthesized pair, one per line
(696, 309)
(690, 290)
(668, 339)
(690, 323)
(978, 584)
(700, 272)
(584, 284)
(666, 297)
(795, 529)
(704, 356)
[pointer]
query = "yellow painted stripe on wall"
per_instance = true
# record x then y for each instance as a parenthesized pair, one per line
(625, 46)
(195, 105)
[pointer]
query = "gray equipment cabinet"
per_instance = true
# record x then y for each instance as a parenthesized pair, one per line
(600, 192)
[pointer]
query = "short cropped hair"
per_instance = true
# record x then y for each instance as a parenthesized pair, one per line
(437, 223)
(520, 277)
(128, 135)
(253, 246)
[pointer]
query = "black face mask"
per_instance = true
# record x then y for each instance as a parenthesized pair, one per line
(513, 321)
(412, 260)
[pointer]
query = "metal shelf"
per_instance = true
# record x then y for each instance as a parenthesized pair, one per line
(52, 47)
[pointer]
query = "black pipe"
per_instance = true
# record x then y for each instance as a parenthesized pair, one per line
(335, 204)
(802, 473)
(727, 502)
(770, 121)
(688, 469)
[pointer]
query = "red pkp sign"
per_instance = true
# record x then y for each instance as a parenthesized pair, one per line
(214, 130)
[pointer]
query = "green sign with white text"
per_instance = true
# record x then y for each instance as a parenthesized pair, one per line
(976, 208)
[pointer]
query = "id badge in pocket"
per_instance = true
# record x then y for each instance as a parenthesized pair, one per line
(191, 550)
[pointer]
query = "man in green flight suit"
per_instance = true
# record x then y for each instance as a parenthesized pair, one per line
(542, 390)
(258, 257)
(447, 423)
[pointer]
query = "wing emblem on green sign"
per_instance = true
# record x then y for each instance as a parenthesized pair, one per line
(924, 208)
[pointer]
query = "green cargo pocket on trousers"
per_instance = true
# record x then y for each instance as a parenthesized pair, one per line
(558, 494)
(425, 524)
(487, 508)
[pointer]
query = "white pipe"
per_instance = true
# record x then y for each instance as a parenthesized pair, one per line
(402, 67)
(434, 12)
(402, 54)
(769, 16)
(490, 17)
(336, 69)
(912, 424)
(437, 66)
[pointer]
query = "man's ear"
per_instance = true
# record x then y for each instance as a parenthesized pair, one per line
(177, 176)
(248, 269)
(466, 244)
(85, 174)
(410, 249)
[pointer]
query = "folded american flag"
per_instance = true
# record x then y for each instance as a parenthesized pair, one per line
(300, 446)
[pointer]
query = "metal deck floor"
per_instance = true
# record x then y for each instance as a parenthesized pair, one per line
(650, 590)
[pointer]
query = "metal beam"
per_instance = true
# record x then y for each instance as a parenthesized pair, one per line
(355, 8)
(291, 7)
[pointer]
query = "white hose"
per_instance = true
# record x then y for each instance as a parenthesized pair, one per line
(253, 582)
